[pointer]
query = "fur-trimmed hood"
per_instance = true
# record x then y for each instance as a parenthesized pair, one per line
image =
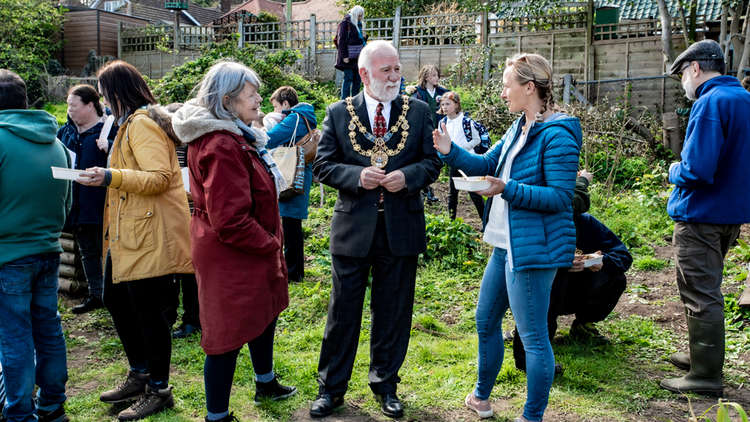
(191, 121)
(163, 117)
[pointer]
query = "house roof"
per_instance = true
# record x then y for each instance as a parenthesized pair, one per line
(256, 6)
(324, 10)
(202, 14)
(649, 9)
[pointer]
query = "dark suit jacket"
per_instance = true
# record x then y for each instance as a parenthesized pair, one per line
(355, 214)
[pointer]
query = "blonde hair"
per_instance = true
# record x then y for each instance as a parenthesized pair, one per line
(424, 72)
(529, 67)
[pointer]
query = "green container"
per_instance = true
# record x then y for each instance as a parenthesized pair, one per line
(608, 16)
(176, 5)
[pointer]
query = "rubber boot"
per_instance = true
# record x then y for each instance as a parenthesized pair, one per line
(706, 360)
(680, 360)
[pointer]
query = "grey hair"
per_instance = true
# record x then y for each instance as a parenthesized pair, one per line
(357, 13)
(224, 79)
(365, 56)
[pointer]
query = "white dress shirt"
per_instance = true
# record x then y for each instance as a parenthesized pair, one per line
(372, 104)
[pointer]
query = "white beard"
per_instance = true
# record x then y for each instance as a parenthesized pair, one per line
(381, 90)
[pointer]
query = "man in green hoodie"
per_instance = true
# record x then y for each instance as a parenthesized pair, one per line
(33, 207)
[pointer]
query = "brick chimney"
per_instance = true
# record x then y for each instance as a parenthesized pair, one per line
(226, 5)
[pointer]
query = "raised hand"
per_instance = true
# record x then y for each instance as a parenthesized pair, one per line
(441, 141)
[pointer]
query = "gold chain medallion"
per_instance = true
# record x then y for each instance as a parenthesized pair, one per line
(379, 153)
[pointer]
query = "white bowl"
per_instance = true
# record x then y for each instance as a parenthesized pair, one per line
(471, 184)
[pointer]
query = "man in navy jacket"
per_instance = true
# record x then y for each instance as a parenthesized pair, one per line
(708, 204)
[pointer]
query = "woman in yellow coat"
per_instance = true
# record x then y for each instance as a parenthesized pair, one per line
(146, 239)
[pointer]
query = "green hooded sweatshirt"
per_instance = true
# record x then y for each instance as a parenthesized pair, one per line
(33, 205)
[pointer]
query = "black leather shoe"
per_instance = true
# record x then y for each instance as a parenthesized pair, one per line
(390, 405)
(325, 404)
(88, 305)
(185, 330)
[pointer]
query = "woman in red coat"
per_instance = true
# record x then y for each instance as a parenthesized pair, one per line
(235, 232)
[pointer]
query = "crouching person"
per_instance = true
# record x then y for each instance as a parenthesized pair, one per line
(589, 293)
(236, 233)
(33, 207)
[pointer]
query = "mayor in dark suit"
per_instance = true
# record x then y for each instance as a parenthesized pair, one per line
(376, 150)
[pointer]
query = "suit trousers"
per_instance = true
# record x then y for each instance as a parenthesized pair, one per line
(392, 298)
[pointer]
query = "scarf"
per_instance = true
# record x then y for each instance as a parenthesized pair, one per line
(259, 140)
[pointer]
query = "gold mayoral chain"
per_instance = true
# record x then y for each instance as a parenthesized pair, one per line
(379, 153)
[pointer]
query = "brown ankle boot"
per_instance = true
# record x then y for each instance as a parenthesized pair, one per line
(130, 389)
(153, 401)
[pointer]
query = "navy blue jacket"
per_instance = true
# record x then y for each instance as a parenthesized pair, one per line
(711, 181)
(423, 95)
(592, 235)
(539, 192)
(88, 201)
(281, 134)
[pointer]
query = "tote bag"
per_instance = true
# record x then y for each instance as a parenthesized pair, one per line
(290, 159)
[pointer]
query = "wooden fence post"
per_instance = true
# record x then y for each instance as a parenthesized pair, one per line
(397, 29)
(567, 82)
(241, 31)
(485, 38)
(313, 59)
(119, 40)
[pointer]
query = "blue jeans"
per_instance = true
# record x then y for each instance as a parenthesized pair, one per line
(352, 82)
(527, 293)
(31, 327)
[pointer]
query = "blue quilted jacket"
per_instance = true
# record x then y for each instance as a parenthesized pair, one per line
(539, 192)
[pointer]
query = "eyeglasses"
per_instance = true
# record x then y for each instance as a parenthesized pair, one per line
(678, 76)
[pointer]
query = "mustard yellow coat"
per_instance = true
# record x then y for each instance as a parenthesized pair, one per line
(146, 216)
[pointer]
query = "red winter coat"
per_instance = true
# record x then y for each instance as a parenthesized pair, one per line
(236, 239)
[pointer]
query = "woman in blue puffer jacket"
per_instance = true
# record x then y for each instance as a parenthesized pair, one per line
(529, 221)
(292, 210)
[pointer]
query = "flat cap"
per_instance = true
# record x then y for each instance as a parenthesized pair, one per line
(702, 50)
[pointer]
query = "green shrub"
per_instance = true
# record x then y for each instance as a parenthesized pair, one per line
(649, 263)
(274, 70)
(29, 39)
(452, 244)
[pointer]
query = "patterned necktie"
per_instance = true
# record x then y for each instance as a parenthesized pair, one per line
(379, 129)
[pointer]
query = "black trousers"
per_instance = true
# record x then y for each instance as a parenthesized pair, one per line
(89, 240)
(591, 296)
(218, 370)
(294, 253)
(453, 197)
(190, 308)
(392, 298)
(139, 310)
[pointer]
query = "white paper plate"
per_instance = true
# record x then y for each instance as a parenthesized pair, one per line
(63, 173)
(471, 184)
(594, 259)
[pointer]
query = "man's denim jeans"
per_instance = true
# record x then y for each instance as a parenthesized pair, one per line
(527, 293)
(31, 328)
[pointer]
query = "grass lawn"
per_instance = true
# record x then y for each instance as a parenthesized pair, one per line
(613, 382)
